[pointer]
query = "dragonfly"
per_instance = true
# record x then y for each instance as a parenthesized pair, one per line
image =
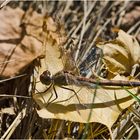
(65, 78)
(69, 95)
(68, 73)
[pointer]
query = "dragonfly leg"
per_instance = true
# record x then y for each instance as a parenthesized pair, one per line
(56, 96)
(38, 92)
(73, 92)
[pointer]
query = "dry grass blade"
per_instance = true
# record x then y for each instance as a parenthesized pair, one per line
(14, 125)
(22, 75)
(4, 3)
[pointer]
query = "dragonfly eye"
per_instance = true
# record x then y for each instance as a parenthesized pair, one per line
(45, 78)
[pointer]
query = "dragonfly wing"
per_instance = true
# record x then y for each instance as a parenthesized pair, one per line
(52, 60)
(68, 62)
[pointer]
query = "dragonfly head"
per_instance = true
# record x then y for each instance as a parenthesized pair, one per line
(45, 78)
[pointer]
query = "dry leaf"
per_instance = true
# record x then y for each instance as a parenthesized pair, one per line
(107, 105)
(17, 49)
(121, 54)
(104, 104)
(132, 45)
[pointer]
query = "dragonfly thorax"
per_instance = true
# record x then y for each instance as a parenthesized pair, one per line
(46, 78)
